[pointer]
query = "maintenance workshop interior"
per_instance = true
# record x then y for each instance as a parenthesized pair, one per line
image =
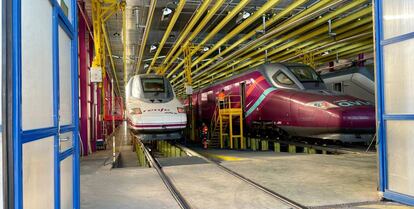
(207, 104)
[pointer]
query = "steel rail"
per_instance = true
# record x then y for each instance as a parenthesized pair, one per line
(272, 193)
(170, 26)
(182, 202)
(145, 35)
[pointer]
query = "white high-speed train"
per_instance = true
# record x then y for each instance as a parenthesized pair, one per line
(354, 81)
(153, 112)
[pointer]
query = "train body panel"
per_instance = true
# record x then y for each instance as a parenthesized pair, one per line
(275, 95)
(153, 111)
(355, 81)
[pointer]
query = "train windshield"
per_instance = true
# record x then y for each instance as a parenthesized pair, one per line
(153, 84)
(156, 89)
(308, 77)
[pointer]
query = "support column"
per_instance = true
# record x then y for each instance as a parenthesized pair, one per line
(83, 77)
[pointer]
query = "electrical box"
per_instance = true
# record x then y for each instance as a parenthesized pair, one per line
(96, 74)
(188, 90)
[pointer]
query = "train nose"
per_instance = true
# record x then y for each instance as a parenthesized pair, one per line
(362, 118)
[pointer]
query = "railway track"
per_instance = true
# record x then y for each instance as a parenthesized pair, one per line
(279, 197)
(183, 203)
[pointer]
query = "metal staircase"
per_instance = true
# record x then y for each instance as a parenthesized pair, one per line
(222, 123)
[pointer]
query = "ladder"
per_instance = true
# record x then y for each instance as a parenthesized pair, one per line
(223, 120)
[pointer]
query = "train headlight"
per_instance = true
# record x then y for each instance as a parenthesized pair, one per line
(135, 111)
(180, 110)
(322, 105)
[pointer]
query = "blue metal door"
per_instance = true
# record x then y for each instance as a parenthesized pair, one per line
(394, 22)
(45, 104)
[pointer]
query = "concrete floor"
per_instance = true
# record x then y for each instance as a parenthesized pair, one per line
(207, 186)
(121, 188)
(323, 181)
(313, 180)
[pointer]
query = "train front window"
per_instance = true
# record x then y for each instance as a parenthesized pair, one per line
(153, 84)
(283, 79)
(305, 74)
(308, 77)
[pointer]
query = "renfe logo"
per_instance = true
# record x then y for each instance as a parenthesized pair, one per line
(157, 110)
(352, 103)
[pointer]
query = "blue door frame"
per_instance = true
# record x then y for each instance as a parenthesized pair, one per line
(382, 117)
(19, 136)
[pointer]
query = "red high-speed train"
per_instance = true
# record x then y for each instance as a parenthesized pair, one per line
(292, 99)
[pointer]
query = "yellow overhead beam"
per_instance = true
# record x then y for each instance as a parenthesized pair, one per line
(145, 35)
(253, 32)
(108, 48)
(266, 7)
(343, 33)
(291, 35)
(282, 26)
(124, 40)
(301, 30)
(170, 26)
(187, 30)
(200, 26)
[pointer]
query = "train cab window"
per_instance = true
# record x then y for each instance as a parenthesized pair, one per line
(153, 84)
(337, 87)
(283, 79)
(308, 77)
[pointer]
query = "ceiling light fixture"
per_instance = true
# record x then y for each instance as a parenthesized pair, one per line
(153, 48)
(165, 13)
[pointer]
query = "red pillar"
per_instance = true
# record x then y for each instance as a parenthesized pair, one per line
(83, 84)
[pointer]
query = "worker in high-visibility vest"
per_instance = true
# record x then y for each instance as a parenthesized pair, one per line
(204, 135)
(220, 98)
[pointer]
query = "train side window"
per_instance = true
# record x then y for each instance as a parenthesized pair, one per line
(337, 87)
(283, 79)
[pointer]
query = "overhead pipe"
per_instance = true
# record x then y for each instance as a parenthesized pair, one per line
(258, 14)
(344, 54)
(170, 26)
(318, 32)
(347, 54)
(269, 23)
(200, 26)
(280, 30)
(203, 8)
(345, 21)
(351, 49)
(303, 38)
(332, 45)
(196, 31)
(247, 36)
(145, 35)
(300, 18)
(306, 28)
(344, 32)
(108, 48)
(212, 33)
